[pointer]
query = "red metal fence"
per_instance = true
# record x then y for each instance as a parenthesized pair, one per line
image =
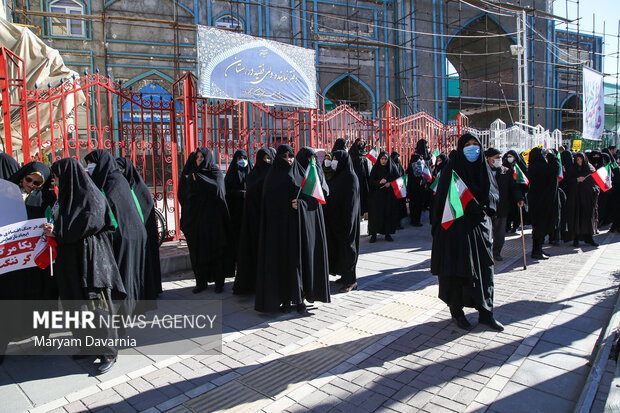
(91, 112)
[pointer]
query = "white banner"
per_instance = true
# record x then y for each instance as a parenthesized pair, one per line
(17, 242)
(593, 104)
(242, 67)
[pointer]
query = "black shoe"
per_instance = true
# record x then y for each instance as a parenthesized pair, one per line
(339, 281)
(576, 243)
(462, 322)
(301, 308)
(389, 238)
(286, 308)
(348, 287)
(219, 290)
(591, 242)
(199, 288)
(107, 362)
(539, 256)
(498, 257)
(545, 254)
(491, 322)
(373, 238)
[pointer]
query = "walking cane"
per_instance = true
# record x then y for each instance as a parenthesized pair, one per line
(522, 238)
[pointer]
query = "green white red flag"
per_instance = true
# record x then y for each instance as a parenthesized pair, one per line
(561, 175)
(520, 176)
(311, 184)
(373, 154)
(434, 155)
(426, 173)
(435, 183)
(602, 177)
(400, 187)
(456, 201)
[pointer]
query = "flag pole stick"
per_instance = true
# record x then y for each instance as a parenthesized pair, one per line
(51, 262)
(523, 238)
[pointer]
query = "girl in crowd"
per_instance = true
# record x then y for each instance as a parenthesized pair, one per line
(85, 265)
(245, 279)
(382, 202)
(130, 236)
(142, 195)
(417, 189)
(236, 185)
(402, 202)
(461, 254)
(205, 220)
(582, 196)
(342, 221)
(362, 167)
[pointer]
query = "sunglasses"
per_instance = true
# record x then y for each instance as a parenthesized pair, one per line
(32, 181)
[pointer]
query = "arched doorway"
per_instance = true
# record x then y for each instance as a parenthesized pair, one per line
(350, 91)
(571, 120)
(486, 71)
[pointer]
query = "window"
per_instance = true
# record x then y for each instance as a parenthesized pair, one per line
(230, 22)
(60, 26)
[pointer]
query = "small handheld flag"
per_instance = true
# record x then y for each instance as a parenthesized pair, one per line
(456, 201)
(435, 183)
(434, 155)
(426, 173)
(519, 176)
(400, 187)
(44, 252)
(373, 155)
(311, 184)
(561, 175)
(602, 177)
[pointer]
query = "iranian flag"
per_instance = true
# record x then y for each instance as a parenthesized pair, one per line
(426, 173)
(456, 201)
(602, 176)
(400, 187)
(434, 155)
(373, 154)
(435, 183)
(311, 184)
(520, 176)
(561, 175)
(44, 252)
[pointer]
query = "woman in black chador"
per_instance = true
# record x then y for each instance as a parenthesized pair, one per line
(8, 166)
(152, 276)
(382, 202)
(205, 220)
(418, 190)
(543, 198)
(342, 221)
(462, 254)
(130, 236)
(361, 166)
(85, 267)
(402, 202)
(340, 145)
(245, 279)
(509, 160)
(288, 227)
(581, 203)
(236, 184)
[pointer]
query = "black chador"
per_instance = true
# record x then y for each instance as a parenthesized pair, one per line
(245, 279)
(543, 198)
(236, 185)
(152, 276)
(362, 167)
(340, 145)
(204, 219)
(402, 202)
(85, 266)
(8, 166)
(281, 251)
(418, 190)
(342, 220)
(582, 196)
(130, 236)
(383, 216)
(440, 163)
(314, 253)
(461, 255)
(509, 160)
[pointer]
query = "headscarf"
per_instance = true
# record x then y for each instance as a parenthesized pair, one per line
(586, 168)
(389, 172)
(567, 159)
(421, 148)
(29, 168)
(129, 171)
(327, 170)
(82, 209)
(476, 175)
(303, 160)
(356, 152)
(207, 172)
(416, 164)
(8, 166)
(518, 160)
(106, 165)
(235, 174)
(261, 167)
(439, 165)
(42, 197)
(339, 145)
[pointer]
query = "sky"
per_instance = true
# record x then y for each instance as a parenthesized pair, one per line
(604, 11)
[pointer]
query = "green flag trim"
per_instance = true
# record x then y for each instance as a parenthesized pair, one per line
(135, 199)
(111, 213)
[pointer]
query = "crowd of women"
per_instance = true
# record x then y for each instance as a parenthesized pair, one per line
(103, 220)
(254, 222)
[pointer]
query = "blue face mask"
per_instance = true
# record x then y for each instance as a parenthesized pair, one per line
(472, 152)
(242, 163)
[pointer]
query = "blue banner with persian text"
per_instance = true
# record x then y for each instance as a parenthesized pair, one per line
(241, 67)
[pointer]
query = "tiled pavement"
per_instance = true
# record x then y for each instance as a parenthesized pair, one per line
(388, 346)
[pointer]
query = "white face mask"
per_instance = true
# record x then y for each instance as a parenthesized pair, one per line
(90, 168)
(510, 159)
(328, 163)
(334, 165)
(242, 163)
(497, 163)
